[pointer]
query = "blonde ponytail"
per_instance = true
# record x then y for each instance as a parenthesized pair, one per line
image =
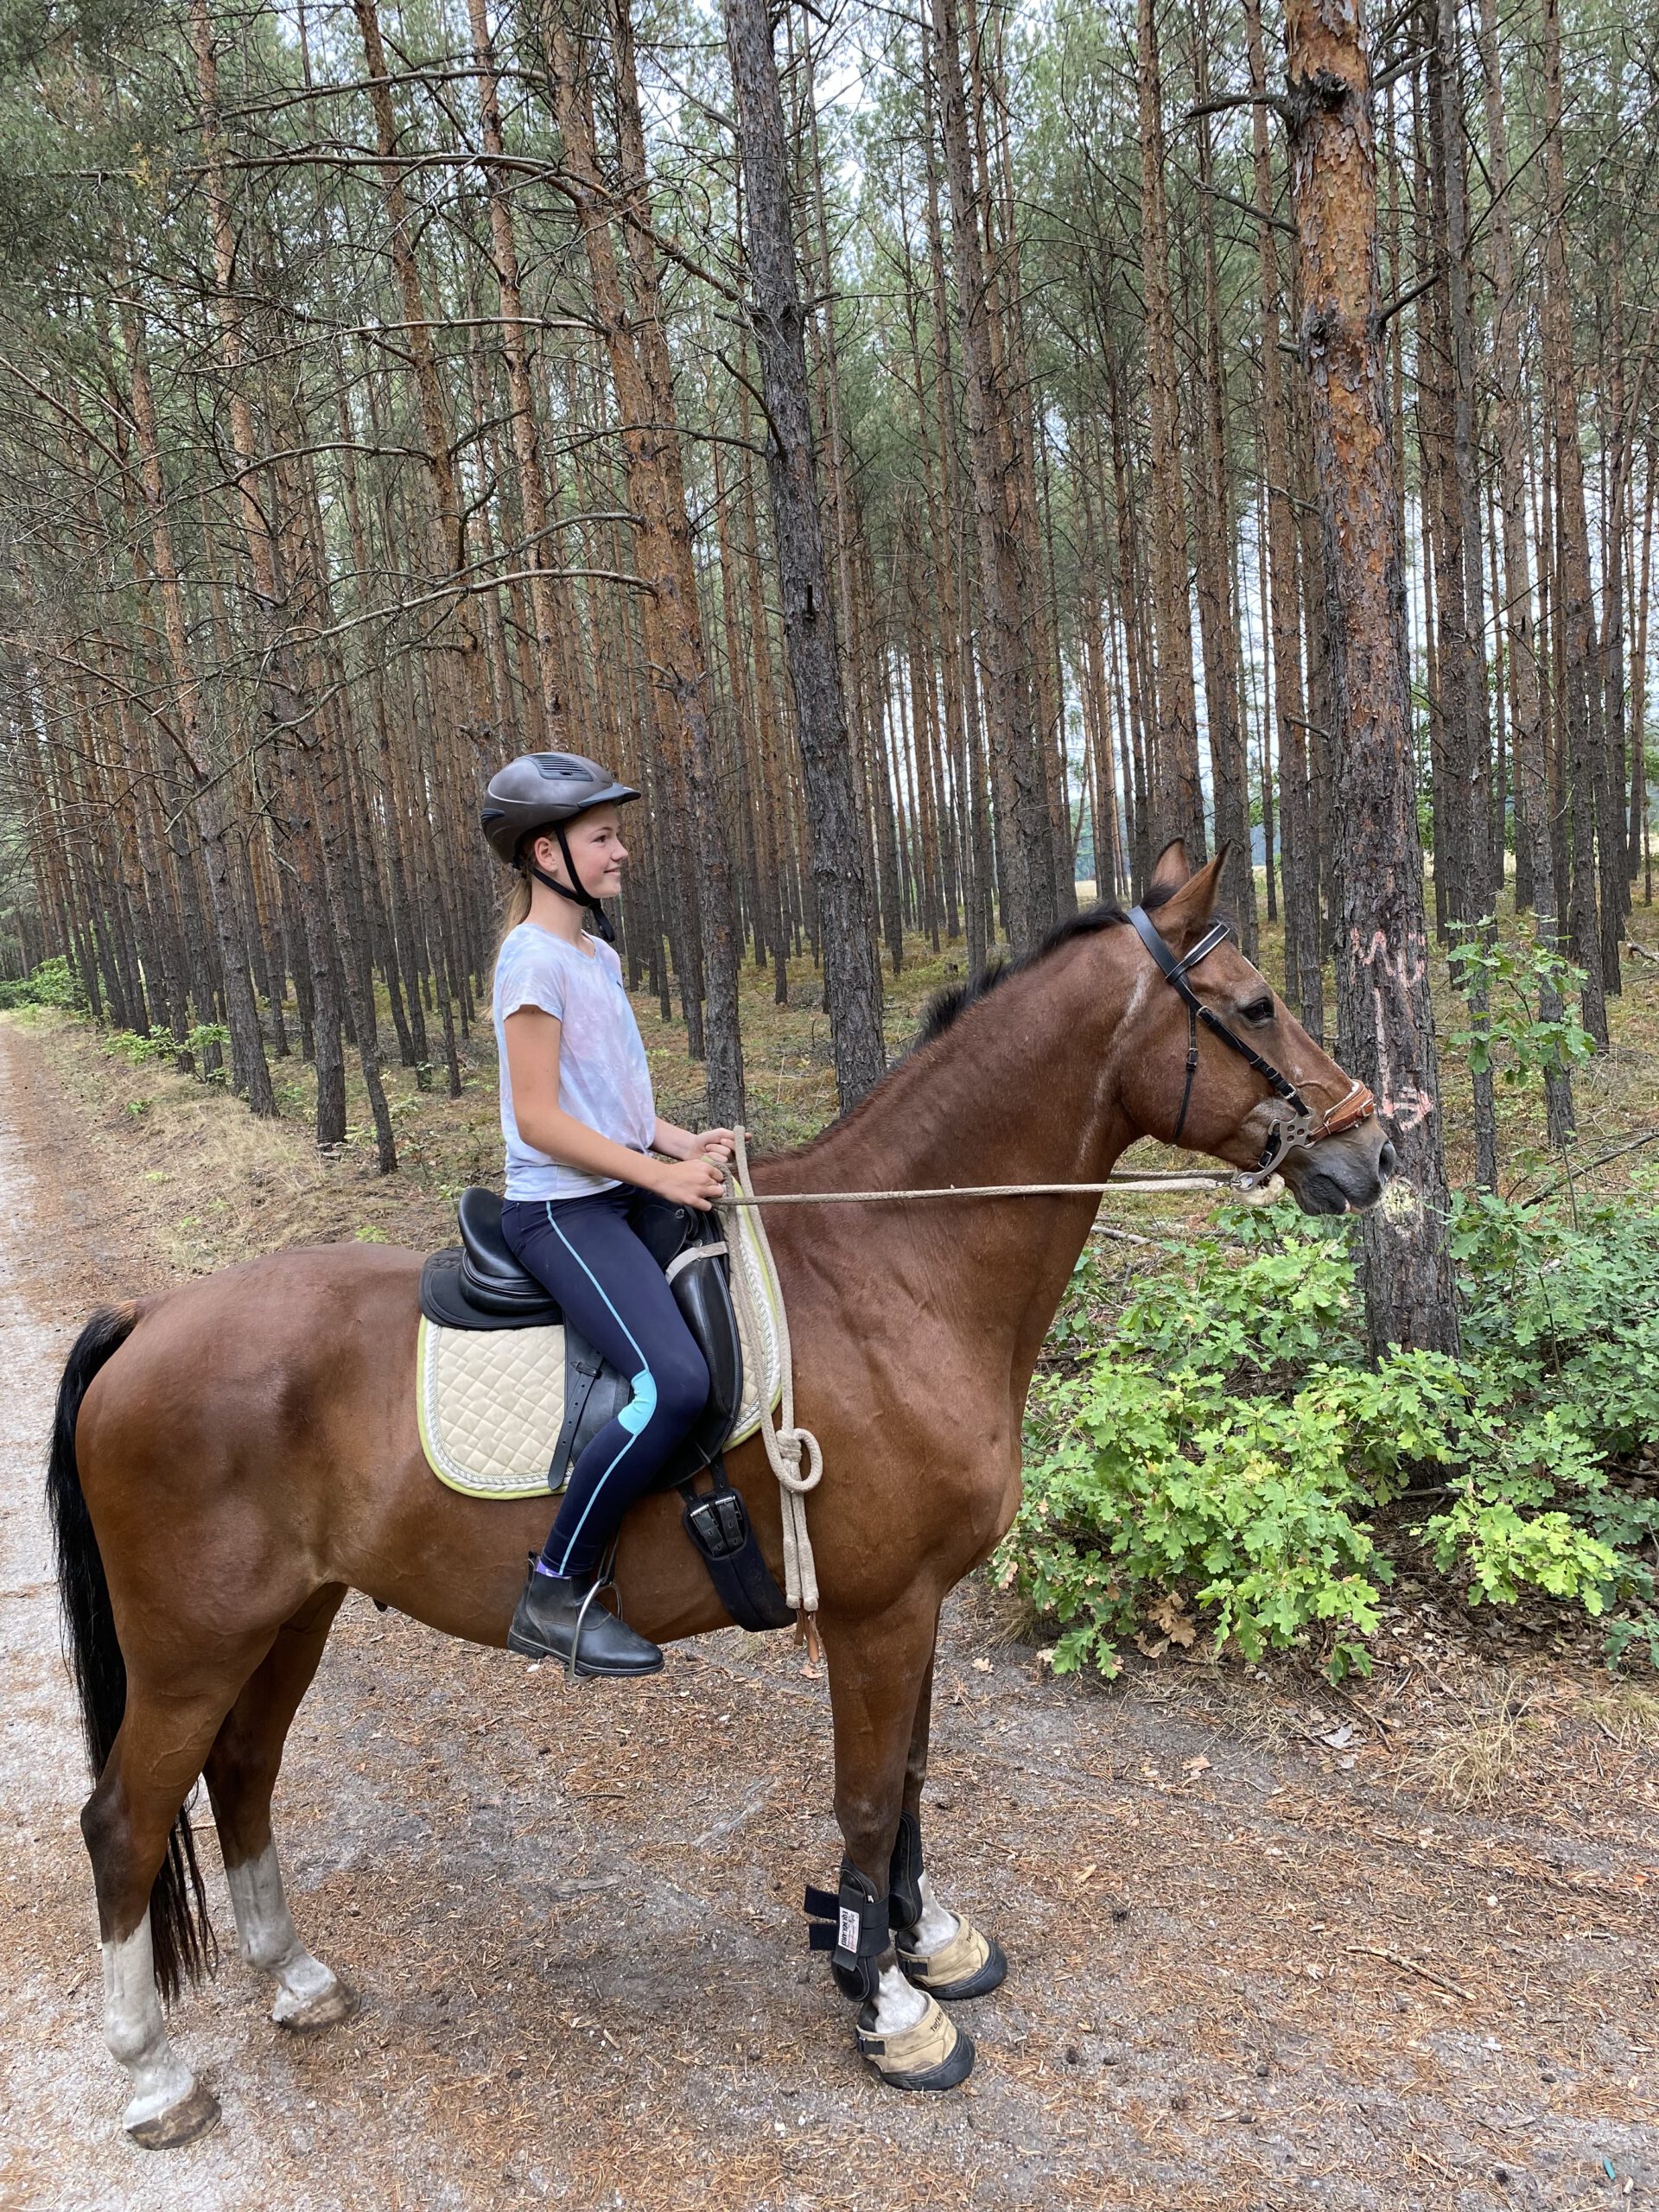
(515, 908)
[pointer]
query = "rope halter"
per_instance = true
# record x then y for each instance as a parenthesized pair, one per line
(1293, 1132)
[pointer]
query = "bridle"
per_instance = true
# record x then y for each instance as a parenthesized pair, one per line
(1299, 1128)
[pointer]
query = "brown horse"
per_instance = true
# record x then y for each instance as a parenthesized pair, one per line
(232, 1456)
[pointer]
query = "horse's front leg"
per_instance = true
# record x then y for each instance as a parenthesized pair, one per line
(878, 1668)
(938, 1951)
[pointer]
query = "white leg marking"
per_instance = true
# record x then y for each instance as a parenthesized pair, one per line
(267, 1938)
(135, 2032)
(935, 1929)
(898, 2005)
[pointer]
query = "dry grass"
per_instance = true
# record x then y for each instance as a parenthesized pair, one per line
(1470, 1763)
(1626, 1714)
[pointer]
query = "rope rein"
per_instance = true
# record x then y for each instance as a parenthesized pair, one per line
(944, 1191)
(793, 1454)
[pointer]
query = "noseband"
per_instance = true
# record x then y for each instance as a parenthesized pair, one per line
(1299, 1128)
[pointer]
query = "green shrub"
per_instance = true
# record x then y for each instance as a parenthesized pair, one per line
(55, 982)
(137, 1050)
(1228, 1447)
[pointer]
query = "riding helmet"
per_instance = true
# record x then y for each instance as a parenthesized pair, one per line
(540, 790)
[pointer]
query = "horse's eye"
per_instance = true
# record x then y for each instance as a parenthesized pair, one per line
(1257, 1010)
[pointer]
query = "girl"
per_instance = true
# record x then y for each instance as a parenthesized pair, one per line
(580, 1128)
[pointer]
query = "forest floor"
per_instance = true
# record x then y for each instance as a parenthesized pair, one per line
(1273, 1943)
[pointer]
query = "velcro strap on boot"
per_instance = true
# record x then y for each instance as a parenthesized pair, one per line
(905, 1873)
(852, 1924)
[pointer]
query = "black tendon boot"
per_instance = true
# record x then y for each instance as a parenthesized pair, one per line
(559, 1617)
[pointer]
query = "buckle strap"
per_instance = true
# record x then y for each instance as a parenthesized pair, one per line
(853, 1924)
(1175, 971)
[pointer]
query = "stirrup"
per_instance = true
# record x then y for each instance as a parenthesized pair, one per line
(604, 1579)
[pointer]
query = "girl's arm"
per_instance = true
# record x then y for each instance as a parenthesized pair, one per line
(533, 1072)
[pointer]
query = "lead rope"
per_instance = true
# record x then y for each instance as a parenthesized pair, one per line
(786, 1445)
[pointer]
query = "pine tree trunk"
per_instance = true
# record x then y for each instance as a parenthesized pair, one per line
(1298, 869)
(1527, 727)
(1578, 671)
(1007, 589)
(215, 831)
(638, 353)
(1177, 790)
(851, 967)
(1385, 1020)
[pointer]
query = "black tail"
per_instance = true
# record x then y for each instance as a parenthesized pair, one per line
(180, 1933)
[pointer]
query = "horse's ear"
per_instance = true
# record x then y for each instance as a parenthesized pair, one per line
(1172, 869)
(1185, 912)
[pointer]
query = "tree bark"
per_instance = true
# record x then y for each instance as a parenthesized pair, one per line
(1006, 589)
(1531, 774)
(1178, 792)
(1385, 1019)
(1577, 675)
(852, 970)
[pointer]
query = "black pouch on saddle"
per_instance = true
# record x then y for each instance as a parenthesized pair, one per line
(718, 1523)
(852, 1924)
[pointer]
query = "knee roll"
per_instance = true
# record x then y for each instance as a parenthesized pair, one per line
(682, 1390)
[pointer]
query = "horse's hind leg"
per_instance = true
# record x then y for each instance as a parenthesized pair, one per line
(128, 1824)
(877, 1671)
(241, 1774)
(938, 1950)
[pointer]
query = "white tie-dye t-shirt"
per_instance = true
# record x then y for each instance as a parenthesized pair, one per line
(604, 1077)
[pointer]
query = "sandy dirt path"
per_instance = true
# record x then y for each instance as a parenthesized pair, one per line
(1237, 1982)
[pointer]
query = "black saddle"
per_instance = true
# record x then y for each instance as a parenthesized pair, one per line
(478, 1284)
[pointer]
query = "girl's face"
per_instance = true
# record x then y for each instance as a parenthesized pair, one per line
(596, 847)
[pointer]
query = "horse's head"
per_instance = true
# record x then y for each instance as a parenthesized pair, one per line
(1223, 1103)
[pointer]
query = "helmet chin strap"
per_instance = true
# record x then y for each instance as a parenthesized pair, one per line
(599, 918)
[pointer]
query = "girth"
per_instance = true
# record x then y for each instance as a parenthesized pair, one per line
(1300, 1128)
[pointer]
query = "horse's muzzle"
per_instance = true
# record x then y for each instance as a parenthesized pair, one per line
(1344, 1174)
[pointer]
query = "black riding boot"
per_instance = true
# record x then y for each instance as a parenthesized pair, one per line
(549, 1623)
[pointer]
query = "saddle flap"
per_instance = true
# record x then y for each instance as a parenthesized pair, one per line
(701, 1282)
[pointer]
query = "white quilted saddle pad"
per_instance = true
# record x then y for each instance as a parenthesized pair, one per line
(491, 1402)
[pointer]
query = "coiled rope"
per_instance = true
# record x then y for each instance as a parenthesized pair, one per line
(793, 1454)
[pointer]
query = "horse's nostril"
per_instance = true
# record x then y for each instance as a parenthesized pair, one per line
(1387, 1160)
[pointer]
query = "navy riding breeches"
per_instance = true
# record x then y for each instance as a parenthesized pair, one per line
(584, 1253)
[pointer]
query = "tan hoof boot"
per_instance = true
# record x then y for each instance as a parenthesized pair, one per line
(181, 2123)
(935, 2054)
(970, 1965)
(334, 2004)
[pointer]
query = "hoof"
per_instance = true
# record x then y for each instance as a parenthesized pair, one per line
(310, 2016)
(181, 2123)
(970, 1965)
(935, 2054)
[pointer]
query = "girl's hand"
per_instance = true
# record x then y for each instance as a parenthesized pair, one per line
(696, 1182)
(717, 1144)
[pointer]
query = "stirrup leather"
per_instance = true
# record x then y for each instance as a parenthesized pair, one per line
(853, 1925)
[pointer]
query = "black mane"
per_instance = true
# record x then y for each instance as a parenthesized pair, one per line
(946, 1006)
